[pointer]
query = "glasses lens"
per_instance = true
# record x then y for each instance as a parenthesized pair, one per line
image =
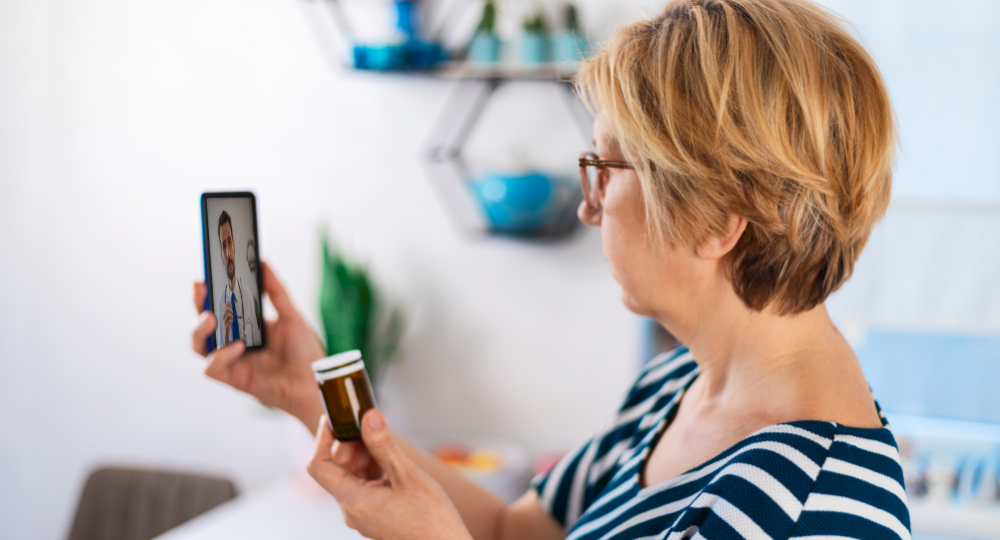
(594, 175)
(590, 178)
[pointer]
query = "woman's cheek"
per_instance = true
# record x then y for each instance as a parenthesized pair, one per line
(620, 253)
(623, 228)
(611, 242)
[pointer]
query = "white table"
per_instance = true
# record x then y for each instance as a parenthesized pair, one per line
(293, 509)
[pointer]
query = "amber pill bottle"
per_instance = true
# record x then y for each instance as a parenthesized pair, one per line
(347, 392)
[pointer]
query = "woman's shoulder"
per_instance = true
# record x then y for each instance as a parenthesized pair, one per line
(819, 478)
(861, 480)
(857, 489)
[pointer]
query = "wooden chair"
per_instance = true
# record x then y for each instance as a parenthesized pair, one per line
(137, 504)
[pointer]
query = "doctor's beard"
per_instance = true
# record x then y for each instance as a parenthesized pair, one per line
(230, 269)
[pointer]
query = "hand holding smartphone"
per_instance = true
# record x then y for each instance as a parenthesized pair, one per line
(231, 248)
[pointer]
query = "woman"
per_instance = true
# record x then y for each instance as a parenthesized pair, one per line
(744, 152)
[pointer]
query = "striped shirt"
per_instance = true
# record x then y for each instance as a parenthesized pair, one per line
(792, 480)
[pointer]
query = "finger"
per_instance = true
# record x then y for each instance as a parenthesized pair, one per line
(345, 452)
(354, 457)
(200, 293)
(374, 471)
(220, 362)
(328, 474)
(276, 292)
(323, 452)
(203, 328)
(383, 448)
(361, 465)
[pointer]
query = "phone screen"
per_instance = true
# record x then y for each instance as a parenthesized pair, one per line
(232, 268)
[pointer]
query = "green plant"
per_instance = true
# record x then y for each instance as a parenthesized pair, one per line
(535, 23)
(487, 25)
(354, 315)
(572, 21)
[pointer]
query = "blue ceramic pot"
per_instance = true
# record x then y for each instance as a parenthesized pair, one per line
(385, 57)
(423, 55)
(379, 57)
(571, 47)
(515, 203)
(534, 48)
(484, 49)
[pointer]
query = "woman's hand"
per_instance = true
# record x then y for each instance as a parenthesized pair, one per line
(382, 493)
(280, 375)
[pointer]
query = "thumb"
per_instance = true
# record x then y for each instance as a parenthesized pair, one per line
(222, 361)
(327, 473)
(382, 446)
(275, 290)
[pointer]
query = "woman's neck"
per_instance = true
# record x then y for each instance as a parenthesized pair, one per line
(742, 352)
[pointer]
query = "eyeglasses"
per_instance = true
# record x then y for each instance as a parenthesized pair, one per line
(593, 177)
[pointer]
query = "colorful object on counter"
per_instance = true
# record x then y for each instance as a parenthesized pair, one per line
(499, 465)
(481, 460)
(452, 454)
(534, 47)
(976, 480)
(521, 203)
(949, 462)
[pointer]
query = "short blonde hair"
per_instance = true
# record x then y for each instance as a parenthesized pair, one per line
(765, 109)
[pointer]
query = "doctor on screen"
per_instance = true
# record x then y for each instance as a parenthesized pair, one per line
(235, 309)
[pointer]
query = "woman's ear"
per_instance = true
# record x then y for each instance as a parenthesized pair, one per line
(716, 247)
(589, 216)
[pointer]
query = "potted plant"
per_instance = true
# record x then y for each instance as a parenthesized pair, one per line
(534, 40)
(485, 45)
(355, 315)
(571, 44)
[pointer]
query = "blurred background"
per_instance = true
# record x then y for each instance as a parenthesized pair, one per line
(116, 114)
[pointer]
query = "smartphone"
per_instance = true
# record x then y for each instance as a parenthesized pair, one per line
(232, 268)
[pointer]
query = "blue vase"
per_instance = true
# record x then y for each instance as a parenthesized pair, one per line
(405, 13)
(571, 47)
(484, 48)
(534, 48)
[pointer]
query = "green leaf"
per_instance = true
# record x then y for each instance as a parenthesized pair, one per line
(535, 23)
(572, 21)
(487, 25)
(353, 315)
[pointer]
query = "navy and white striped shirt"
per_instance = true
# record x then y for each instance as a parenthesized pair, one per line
(792, 480)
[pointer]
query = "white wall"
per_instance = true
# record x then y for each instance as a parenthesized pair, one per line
(116, 114)
(22, 69)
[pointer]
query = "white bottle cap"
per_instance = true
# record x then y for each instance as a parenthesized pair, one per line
(336, 360)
